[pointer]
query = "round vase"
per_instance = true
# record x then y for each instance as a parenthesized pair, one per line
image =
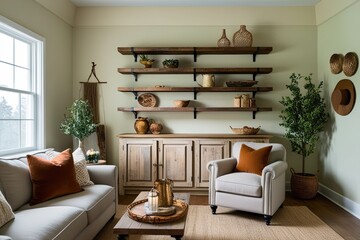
(242, 38)
(223, 41)
(156, 128)
(141, 125)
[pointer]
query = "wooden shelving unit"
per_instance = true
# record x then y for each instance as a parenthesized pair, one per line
(195, 51)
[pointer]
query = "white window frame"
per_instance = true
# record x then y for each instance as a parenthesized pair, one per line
(37, 67)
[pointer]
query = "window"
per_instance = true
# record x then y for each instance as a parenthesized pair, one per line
(21, 89)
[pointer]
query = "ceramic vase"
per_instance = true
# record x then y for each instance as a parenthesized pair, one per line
(141, 125)
(223, 41)
(242, 38)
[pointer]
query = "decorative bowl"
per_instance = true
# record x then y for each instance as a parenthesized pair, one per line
(242, 83)
(245, 130)
(181, 103)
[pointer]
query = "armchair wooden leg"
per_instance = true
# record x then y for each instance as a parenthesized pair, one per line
(213, 208)
(267, 219)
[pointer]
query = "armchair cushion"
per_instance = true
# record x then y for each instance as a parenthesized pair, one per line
(253, 160)
(240, 183)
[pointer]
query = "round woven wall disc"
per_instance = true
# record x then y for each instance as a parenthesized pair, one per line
(147, 100)
(350, 64)
(336, 63)
(343, 97)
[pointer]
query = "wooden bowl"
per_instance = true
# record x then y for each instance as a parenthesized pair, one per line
(245, 130)
(181, 103)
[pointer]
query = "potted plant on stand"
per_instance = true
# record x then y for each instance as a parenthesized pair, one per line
(304, 118)
(79, 123)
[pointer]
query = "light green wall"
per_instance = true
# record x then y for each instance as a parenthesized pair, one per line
(58, 61)
(294, 50)
(339, 164)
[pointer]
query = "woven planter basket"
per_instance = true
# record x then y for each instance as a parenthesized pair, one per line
(303, 186)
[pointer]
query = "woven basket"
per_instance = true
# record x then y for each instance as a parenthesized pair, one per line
(245, 130)
(303, 186)
(336, 63)
(350, 64)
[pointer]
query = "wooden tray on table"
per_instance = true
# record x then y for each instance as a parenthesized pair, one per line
(136, 211)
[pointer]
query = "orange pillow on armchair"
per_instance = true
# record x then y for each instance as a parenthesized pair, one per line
(253, 160)
(52, 178)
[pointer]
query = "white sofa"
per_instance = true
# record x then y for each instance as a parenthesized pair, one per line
(75, 216)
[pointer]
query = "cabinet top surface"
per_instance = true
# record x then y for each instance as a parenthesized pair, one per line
(192, 135)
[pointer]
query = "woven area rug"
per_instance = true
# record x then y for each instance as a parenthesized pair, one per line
(289, 223)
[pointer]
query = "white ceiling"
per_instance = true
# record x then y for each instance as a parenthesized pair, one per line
(134, 3)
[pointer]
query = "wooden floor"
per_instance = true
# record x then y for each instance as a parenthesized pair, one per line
(337, 218)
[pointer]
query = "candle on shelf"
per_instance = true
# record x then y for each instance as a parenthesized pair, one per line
(153, 200)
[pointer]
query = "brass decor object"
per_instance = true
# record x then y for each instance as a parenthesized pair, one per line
(336, 63)
(165, 192)
(223, 41)
(350, 64)
(136, 211)
(242, 38)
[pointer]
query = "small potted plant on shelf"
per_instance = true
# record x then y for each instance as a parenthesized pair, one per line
(304, 118)
(79, 123)
(170, 63)
(146, 61)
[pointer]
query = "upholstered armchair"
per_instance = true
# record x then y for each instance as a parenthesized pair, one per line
(262, 194)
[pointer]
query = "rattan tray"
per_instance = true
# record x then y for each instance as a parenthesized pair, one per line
(136, 211)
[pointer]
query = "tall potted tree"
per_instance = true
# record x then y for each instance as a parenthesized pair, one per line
(303, 118)
(79, 123)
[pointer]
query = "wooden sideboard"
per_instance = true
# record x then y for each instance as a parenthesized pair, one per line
(143, 158)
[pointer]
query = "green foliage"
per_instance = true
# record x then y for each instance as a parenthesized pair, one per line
(171, 62)
(79, 123)
(304, 115)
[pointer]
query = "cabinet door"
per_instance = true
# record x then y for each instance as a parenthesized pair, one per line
(140, 158)
(206, 151)
(175, 161)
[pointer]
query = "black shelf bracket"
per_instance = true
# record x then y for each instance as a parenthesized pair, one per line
(195, 54)
(195, 113)
(134, 112)
(135, 75)
(194, 73)
(256, 53)
(135, 94)
(134, 53)
(195, 93)
(253, 114)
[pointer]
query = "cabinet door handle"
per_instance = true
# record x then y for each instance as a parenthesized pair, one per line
(155, 164)
(161, 165)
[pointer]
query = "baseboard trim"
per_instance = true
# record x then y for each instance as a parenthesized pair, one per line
(343, 202)
(348, 205)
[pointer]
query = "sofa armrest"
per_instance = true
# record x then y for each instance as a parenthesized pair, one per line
(275, 169)
(3, 237)
(221, 167)
(103, 174)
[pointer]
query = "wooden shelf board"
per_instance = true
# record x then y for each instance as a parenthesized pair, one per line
(194, 50)
(193, 109)
(195, 89)
(190, 70)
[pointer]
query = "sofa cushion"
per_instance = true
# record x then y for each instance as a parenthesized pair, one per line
(6, 213)
(253, 160)
(94, 200)
(82, 174)
(240, 183)
(60, 223)
(54, 178)
(15, 182)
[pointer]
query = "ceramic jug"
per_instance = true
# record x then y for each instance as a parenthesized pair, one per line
(141, 125)
(208, 80)
(165, 192)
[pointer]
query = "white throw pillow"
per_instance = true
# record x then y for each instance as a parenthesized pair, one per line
(82, 174)
(6, 213)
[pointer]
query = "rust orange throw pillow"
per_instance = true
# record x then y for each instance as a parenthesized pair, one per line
(251, 160)
(52, 178)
